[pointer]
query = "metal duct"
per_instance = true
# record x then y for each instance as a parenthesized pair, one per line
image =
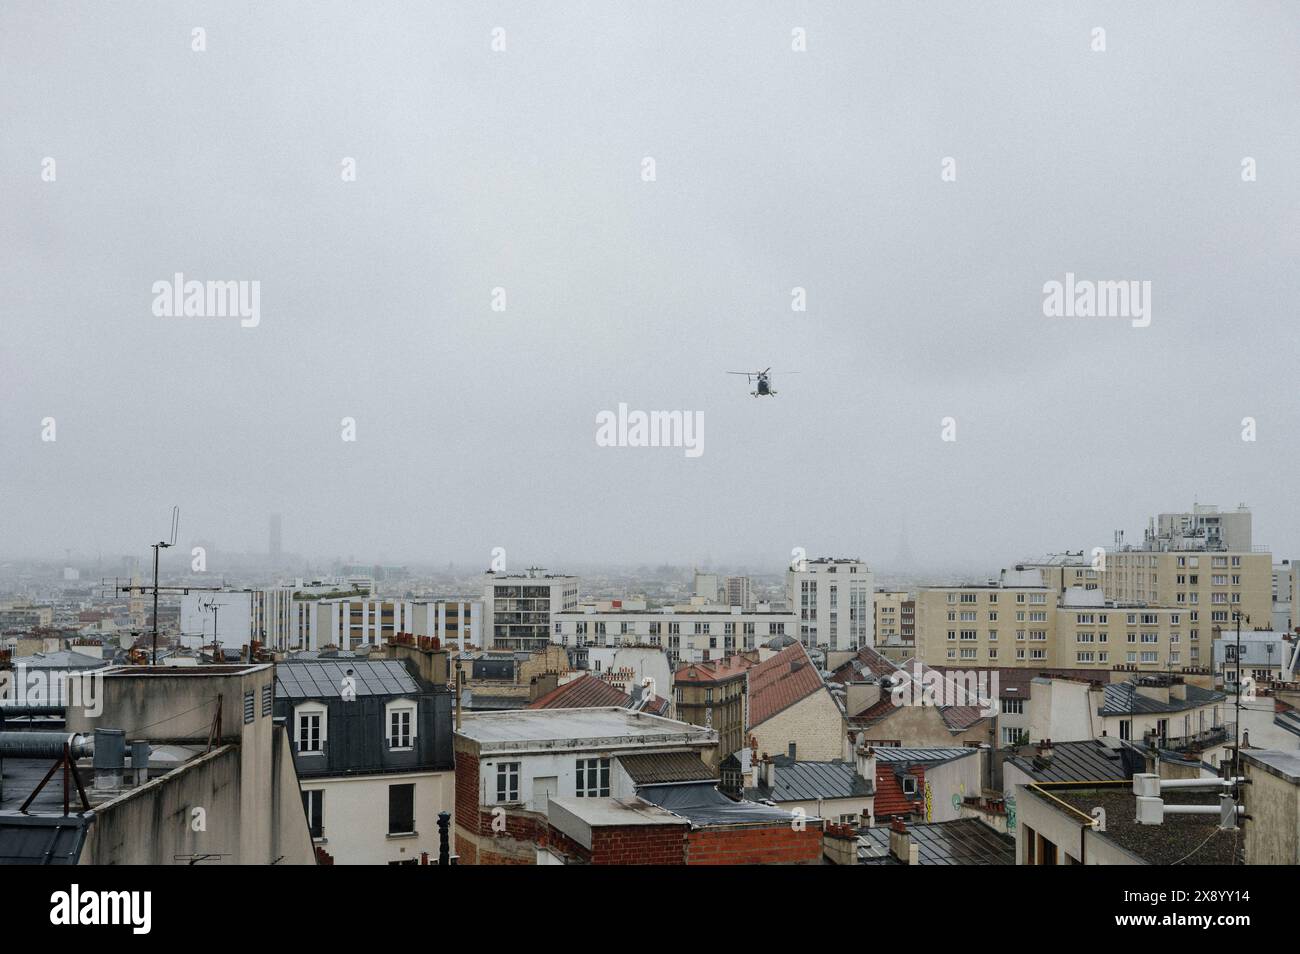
(110, 758)
(140, 761)
(45, 745)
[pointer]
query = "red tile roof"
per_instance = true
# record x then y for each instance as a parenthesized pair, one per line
(781, 681)
(582, 693)
(890, 800)
(866, 659)
(715, 671)
(956, 718)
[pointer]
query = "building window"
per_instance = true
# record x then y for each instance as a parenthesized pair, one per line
(313, 803)
(507, 781)
(399, 727)
(311, 729)
(593, 778)
(401, 809)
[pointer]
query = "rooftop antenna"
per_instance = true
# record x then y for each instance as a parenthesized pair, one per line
(160, 545)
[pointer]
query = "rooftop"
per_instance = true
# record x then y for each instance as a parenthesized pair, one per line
(1186, 839)
(811, 781)
(324, 679)
(583, 692)
(659, 767)
(1095, 760)
(526, 729)
(964, 841)
(1122, 698)
(1285, 765)
(779, 682)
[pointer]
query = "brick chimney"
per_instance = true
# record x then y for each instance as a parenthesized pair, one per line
(840, 844)
(900, 843)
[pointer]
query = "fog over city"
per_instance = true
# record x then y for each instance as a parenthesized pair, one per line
(501, 271)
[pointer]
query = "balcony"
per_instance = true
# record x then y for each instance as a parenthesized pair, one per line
(1195, 743)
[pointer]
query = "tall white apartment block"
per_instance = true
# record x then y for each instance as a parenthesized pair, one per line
(519, 607)
(834, 602)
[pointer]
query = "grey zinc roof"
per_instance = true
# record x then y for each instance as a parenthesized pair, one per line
(702, 804)
(964, 841)
(42, 839)
(323, 679)
(1090, 761)
(1121, 698)
(810, 781)
(926, 754)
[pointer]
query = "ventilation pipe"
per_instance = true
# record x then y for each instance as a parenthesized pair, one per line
(110, 758)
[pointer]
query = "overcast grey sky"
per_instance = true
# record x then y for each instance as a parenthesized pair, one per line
(522, 169)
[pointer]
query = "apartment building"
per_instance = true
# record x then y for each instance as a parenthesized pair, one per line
(520, 607)
(353, 622)
(1263, 657)
(1203, 560)
(689, 634)
(1019, 621)
(995, 623)
(833, 599)
(714, 695)
(607, 786)
(738, 591)
(280, 617)
(372, 747)
(1212, 584)
(889, 615)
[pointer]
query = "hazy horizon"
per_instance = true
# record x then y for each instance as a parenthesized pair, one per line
(522, 170)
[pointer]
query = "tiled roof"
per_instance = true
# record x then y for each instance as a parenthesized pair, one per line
(890, 799)
(659, 767)
(582, 693)
(867, 662)
(722, 669)
(780, 682)
(1090, 761)
(809, 781)
(963, 841)
(956, 718)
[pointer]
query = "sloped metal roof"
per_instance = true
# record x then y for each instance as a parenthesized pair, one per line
(964, 841)
(1089, 761)
(1122, 698)
(811, 781)
(42, 839)
(324, 679)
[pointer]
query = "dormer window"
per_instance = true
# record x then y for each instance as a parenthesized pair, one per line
(400, 719)
(310, 725)
(909, 784)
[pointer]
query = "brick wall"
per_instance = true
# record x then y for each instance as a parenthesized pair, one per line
(639, 845)
(754, 846)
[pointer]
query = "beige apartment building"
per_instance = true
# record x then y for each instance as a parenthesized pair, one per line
(1210, 585)
(889, 614)
(1018, 620)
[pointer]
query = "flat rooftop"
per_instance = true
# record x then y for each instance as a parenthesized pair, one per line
(1282, 764)
(1189, 839)
(577, 728)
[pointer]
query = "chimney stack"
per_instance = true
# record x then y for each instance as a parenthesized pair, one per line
(900, 843)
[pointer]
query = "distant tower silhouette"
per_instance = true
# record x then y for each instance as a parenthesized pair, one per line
(275, 549)
(904, 545)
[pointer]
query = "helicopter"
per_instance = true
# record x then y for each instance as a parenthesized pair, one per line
(764, 379)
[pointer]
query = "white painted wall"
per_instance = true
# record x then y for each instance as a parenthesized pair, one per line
(356, 816)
